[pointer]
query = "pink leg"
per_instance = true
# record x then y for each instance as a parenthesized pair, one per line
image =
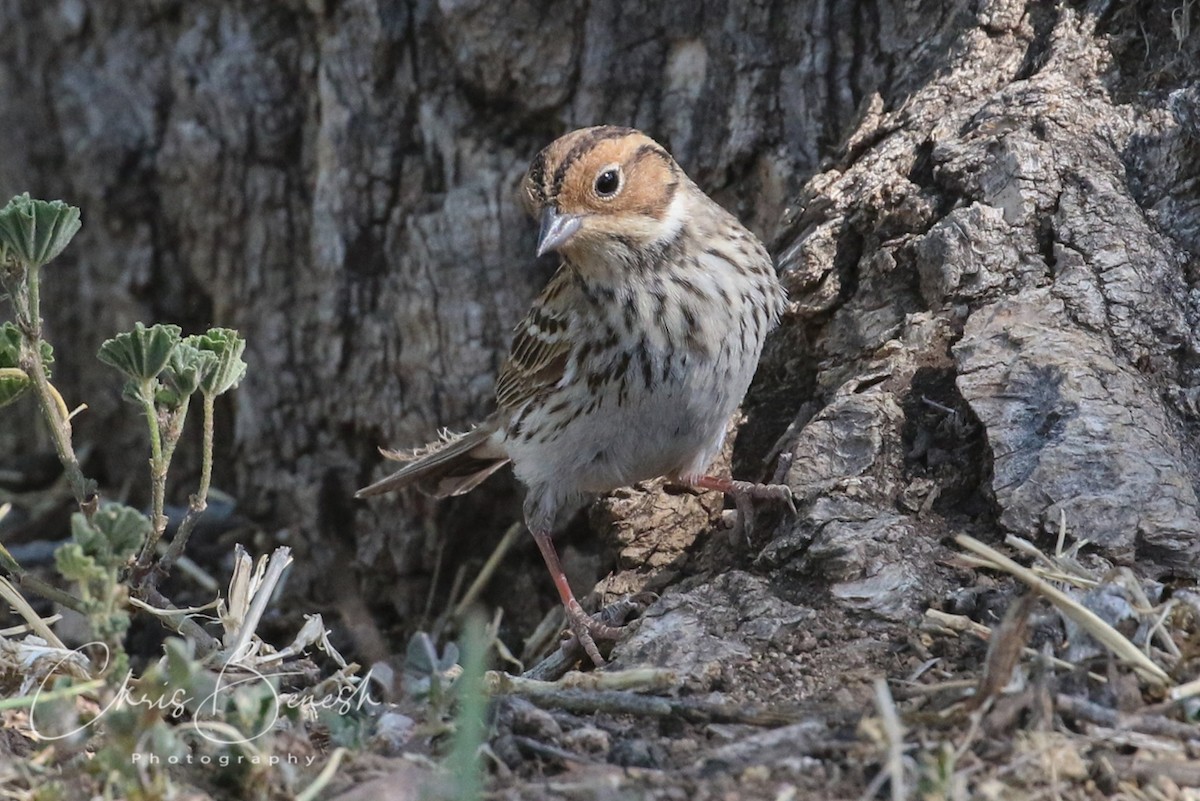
(583, 626)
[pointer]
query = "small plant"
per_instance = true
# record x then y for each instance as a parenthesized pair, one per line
(99, 550)
(451, 686)
(32, 232)
(470, 725)
(428, 675)
(163, 371)
(230, 697)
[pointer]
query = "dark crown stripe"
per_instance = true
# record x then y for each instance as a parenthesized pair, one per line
(647, 150)
(537, 174)
(586, 142)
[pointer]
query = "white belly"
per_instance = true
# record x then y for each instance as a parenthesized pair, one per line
(674, 427)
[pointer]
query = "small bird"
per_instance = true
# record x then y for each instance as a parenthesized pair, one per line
(634, 357)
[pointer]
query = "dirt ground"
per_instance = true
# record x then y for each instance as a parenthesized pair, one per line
(780, 689)
(769, 660)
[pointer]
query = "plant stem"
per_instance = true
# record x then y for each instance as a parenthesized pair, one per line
(170, 436)
(50, 593)
(196, 504)
(33, 277)
(23, 285)
(207, 457)
(25, 297)
(24, 291)
(57, 421)
(205, 642)
(158, 477)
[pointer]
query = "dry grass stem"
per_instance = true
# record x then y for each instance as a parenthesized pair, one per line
(9, 593)
(313, 791)
(249, 595)
(25, 628)
(489, 568)
(938, 620)
(893, 732)
(1084, 617)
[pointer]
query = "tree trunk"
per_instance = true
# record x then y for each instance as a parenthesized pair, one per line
(985, 213)
(997, 281)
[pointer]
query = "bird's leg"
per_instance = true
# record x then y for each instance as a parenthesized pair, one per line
(744, 493)
(583, 626)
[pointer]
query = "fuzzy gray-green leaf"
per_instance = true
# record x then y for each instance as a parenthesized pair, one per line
(76, 565)
(113, 535)
(10, 348)
(12, 383)
(229, 369)
(141, 354)
(185, 370)
(35, 231)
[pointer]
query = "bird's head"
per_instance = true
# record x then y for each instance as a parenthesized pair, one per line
(602, 190)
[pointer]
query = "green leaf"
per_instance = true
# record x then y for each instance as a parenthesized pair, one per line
(141, 354)
(112, 536)
(87, 536)
(420, 654)
(424, 669)
(470, 727)
(75, 565)
(13, 380)
(10, 348)
(182, 376)
(229, 369)
(124, 528)
(35, 231)
(163, 739)
(132, 391)
(181, 664)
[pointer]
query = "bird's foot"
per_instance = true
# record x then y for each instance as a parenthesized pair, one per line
(765, 492)
(615, 616)
(744, 493)
(607, 625)
(622, 611)
(587, 629)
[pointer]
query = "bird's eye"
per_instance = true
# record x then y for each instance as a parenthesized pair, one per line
(608, 182)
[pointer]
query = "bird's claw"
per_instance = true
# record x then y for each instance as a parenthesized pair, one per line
(587, 629)
(782, 492)
(766, 492)
(745, 492)
(620, 612)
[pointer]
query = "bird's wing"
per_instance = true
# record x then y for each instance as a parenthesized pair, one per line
(541, 348)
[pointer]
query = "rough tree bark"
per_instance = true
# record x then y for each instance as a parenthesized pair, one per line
(1007, 251)
(986, 215)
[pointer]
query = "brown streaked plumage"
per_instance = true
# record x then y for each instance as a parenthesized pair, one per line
(634, 357)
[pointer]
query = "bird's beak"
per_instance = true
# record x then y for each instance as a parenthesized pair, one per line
(556, 230)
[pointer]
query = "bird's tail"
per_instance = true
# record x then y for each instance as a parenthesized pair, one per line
(457, 463)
